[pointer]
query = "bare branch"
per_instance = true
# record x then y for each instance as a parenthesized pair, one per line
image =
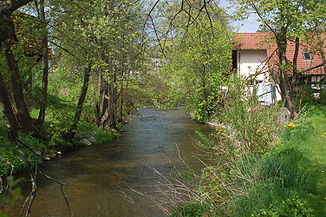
(261, 17)
(209, 16)
(157, 36)
(30, 198)
(61, 189)
(62, 48)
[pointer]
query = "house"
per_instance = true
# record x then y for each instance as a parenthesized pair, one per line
(255, 56)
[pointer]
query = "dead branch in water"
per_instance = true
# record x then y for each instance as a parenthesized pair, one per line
(26, 208)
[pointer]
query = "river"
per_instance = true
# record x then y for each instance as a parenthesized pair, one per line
(102, 177)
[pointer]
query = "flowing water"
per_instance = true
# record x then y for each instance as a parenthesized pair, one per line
(102, 177)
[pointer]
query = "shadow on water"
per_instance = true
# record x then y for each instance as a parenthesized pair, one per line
(98, 175)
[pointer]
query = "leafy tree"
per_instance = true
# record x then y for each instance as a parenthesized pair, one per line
(11, 86)
(106, 38)
(45, 55)
(199, 63)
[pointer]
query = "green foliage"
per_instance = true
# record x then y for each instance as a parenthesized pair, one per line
(110, 37)
(18, 158)
(311, 96)
(11, 193)
(292, 207)
(198, 65)
(274, 177)
(252, 126)
(282, 177)
(322, 96)
(28, 33)
(287, 168)
(306, 96)
(62, 100)
(103, 136)
(278, 182)
(295, 17)
(281, 181)
(190, 210)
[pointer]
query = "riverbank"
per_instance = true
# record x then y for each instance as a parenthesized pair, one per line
(31, 151)
(290, 178)
(287, 179)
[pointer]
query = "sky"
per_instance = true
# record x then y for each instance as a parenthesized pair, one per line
(249, 25)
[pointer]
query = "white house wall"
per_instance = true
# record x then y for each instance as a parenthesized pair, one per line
(253, 62)
(250, 62)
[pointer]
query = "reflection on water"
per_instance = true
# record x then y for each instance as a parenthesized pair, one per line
(100, 175)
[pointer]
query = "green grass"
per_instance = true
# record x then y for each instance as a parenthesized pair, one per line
(292, 176)
(315, 150)
(288, 180)
(189, 210)
(59, 115)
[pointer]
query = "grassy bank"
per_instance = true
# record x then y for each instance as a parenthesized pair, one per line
(62, 102)
(17, 158)
(285, 181)
(286, 178)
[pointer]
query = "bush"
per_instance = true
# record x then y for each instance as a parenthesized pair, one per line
(292, 207)
(253, 127)
(103, 136)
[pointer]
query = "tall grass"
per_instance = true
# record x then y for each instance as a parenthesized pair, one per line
(262, 168)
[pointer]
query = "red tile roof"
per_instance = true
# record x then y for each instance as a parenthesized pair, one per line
(265, 41)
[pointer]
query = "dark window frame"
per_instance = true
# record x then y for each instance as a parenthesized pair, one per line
(307, 56)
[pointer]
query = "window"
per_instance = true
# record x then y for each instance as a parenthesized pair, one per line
(307, 56)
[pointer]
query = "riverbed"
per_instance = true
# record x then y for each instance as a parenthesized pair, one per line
(103, 178)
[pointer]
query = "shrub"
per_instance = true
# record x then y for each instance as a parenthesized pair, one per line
(253, 127)
(292, 207)
(103, 136)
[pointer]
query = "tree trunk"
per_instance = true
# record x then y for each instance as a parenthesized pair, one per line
(114, 100)
(97, 101)
(43, 99)
(121, 101)
(8, 109)
(25, 120)
(285, 85)
(72, 131)
(321, 50)
(295, 57)
(102, 104)
(113, 105)
(20, 119)
(295, 75)
(106, 107)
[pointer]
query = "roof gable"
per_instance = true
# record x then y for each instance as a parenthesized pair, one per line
(265, 41)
